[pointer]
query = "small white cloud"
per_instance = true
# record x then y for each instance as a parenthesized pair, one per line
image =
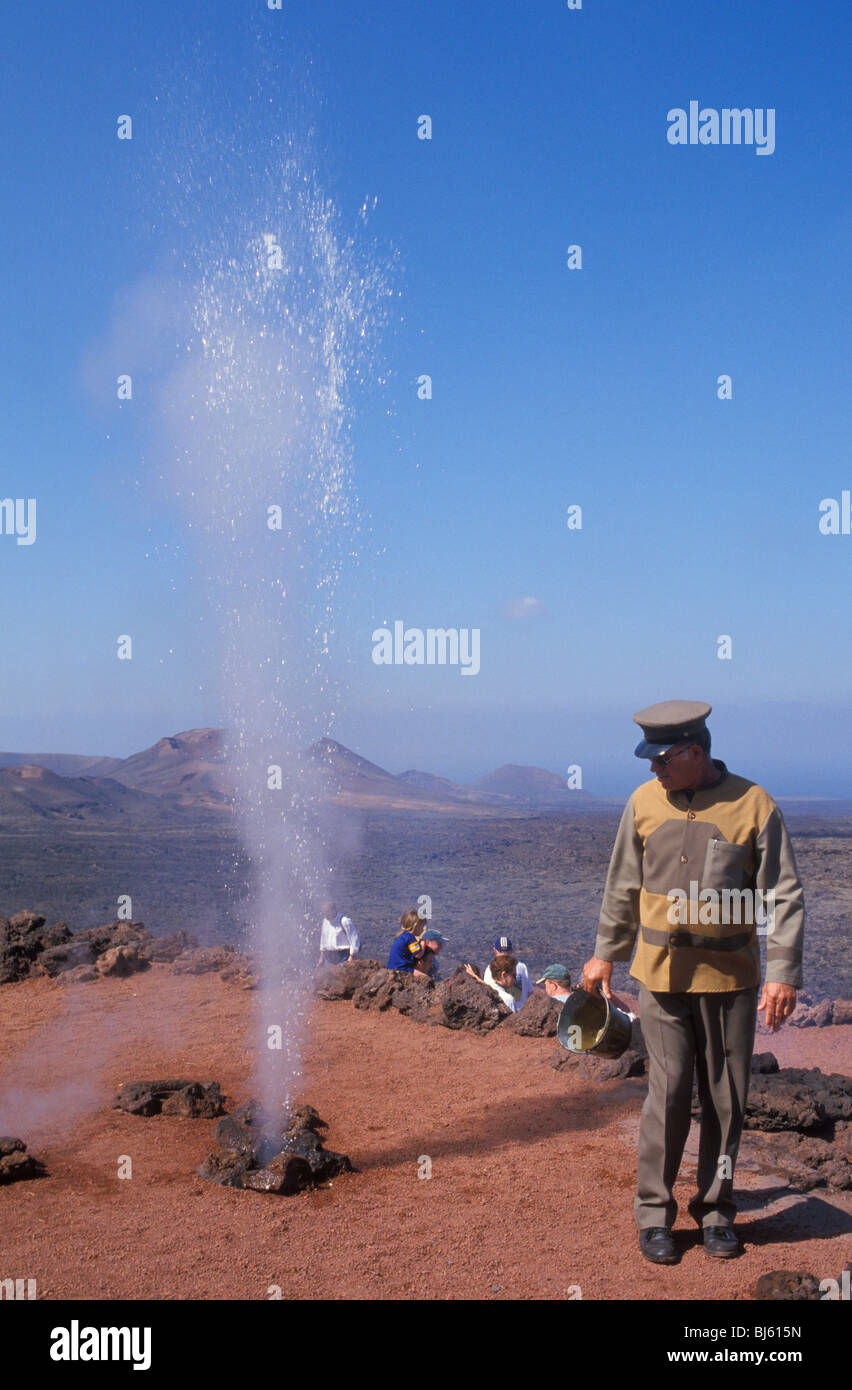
(523, 608)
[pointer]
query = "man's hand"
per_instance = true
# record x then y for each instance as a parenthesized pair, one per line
(596, 972)
(779, 1001)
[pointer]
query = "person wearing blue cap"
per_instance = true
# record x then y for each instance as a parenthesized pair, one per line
(433, 942)
(700, 855)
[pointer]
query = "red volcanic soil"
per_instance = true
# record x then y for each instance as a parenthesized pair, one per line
(532, 1170)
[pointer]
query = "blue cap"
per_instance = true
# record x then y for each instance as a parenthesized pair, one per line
(502, 944)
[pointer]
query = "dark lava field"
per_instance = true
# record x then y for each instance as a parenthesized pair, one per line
(537, 878)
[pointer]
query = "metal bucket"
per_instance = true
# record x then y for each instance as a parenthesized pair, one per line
(592, 1023)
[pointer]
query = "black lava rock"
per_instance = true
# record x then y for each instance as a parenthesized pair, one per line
(15, 1163)
(191, 1099)
(252, 1155)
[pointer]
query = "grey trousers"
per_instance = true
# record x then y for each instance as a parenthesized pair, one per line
(713, 1033)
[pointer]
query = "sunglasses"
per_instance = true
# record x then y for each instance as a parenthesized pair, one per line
(665, 758)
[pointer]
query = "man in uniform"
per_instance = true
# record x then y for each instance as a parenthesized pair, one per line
(699, 852)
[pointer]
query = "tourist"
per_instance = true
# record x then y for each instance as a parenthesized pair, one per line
(501, 976)
(503, 947)
(407, 947)
(433, 941)
(557, 983)
(411, 921)
(338, 937)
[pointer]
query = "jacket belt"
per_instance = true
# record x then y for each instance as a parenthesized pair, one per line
(700, 943)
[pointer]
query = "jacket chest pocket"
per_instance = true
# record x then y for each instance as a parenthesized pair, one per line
(724, 865)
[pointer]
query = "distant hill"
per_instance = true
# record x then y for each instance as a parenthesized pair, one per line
(442, 789)
(188, 766)
(63, 764)
(535, 786)
(355, 781)
(181, 776)
(348, 771)
(30, 796)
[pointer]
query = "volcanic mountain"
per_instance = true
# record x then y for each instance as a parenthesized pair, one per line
(349, 772)
(355, 781)
(64, 764)
(188, 770)
(443, 790)
(188, 766)
(32, 795)
(533, 785)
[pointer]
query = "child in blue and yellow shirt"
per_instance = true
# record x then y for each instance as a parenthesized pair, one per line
(407, 948)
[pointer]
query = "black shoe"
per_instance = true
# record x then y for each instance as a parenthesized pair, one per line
(721, 1241)
(657, 1245)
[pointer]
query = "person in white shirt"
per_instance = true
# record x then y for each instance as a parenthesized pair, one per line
(501, 976)
(338, 937)
(503, 947)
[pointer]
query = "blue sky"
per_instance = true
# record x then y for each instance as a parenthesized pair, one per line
(551, 387)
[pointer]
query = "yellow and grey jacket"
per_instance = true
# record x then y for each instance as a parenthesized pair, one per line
(693, 883)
